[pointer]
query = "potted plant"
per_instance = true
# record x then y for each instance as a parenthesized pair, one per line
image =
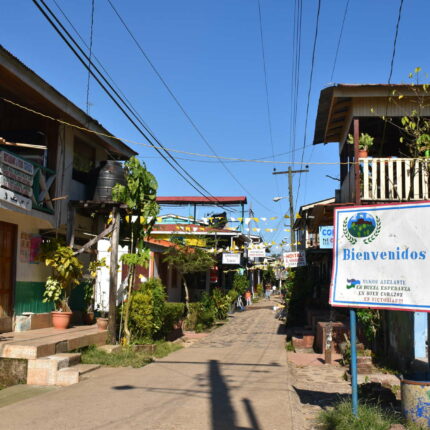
(66, 274)
(89, 288)
(364, 143)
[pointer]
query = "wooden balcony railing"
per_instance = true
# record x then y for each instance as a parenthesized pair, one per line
(394, 179)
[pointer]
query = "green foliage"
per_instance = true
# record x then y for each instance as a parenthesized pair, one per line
(221, 301)
(93, 268)
(370, 321)
(259, 289)
(365, 141)
(124, 358)
(370, 417)
(139, 193)
(66, 273)
(188, 260)
(240, 283)
(300, 286)
(173, 314)
(139, 258)
(269, 276)
(415, 128)
(147, 309)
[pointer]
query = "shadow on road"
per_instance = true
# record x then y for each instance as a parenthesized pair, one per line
(319, 398)
(222, 412)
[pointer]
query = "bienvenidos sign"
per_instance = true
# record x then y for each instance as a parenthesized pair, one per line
(381, 255)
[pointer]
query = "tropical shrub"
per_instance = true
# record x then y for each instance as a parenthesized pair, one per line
(147, 310)
(259, 290)
(221, 302)
(173, 314)
(240, 283)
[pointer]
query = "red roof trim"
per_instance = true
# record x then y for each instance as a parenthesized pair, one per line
(202, 200)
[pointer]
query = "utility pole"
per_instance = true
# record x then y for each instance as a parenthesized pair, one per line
(290, 173)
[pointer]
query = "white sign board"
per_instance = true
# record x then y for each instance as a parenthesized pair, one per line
(230, 258)
(294, 259)
(326, 234)
(381, 257)
(256, 252)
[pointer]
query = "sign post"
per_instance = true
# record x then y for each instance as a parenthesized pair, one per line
(380, 258)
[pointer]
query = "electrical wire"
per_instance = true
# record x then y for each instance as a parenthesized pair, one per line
(90, 55)
(114, 99)
(309, 93)
(399, 16)
(244, 160)
(339, 41)
(180, 105)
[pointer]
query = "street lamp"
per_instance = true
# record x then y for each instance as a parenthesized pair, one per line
(276, 199)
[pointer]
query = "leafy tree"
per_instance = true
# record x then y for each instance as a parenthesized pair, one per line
(188, 260)
(139, 194)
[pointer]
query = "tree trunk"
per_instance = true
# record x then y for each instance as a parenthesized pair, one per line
(128, 304)
(187, 303)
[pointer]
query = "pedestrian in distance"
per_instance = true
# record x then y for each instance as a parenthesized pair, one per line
(268, 290)
(248, 298)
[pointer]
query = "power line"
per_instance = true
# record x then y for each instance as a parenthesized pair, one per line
(339, 40)
(395, 41)
(90, 54)
(117, 103)
(151, 145)
(179, 104)
(309, 92)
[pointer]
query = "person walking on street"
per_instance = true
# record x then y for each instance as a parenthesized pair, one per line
(268, 290)
(248, 298)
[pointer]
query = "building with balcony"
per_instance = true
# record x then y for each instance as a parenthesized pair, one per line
(44, 164)
(390, 172)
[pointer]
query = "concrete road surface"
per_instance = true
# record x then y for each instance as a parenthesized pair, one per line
(235, 378)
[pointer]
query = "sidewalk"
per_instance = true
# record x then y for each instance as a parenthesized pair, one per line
(236, 378)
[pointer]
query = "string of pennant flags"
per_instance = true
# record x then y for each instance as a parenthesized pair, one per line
(246, 220)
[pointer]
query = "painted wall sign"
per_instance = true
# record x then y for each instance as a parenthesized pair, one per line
(16, 174)
(230, 258)
(294, 259)
(256, 252)
(326, 236)
(16, 186)
(381, 257)
(16, 162)
(15, 199)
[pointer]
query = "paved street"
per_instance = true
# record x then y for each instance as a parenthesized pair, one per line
(235, 378)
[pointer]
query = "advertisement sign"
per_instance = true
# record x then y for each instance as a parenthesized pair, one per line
(326, 235)
(294, 259)
(230, 258)
(256, 252)
(381, 257)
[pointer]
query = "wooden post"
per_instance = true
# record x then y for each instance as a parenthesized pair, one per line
(113, 276)
(357, 186)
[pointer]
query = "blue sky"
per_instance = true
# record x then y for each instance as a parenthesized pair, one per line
(209, 52)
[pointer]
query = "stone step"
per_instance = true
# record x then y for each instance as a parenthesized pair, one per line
(43, 371)
(71, 375)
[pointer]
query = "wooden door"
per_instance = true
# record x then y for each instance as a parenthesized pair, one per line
(7, 266)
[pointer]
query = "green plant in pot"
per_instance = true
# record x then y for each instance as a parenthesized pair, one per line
(364, 143)
(89, 289)
(66, 274)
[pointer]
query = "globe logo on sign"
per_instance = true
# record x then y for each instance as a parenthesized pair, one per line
(362, 226)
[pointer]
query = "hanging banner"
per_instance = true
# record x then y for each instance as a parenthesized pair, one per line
(326, 234)
(230, 258)
(257, 253)
(294, 259)
(381, 255)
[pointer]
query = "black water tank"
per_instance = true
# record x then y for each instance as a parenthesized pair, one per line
(111, 173)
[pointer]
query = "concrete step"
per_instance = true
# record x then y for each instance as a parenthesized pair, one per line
(303, 342)
(72, 375)
(44, 342)
(43, 371)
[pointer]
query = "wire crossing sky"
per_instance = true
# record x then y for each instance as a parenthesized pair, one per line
(210, 54)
